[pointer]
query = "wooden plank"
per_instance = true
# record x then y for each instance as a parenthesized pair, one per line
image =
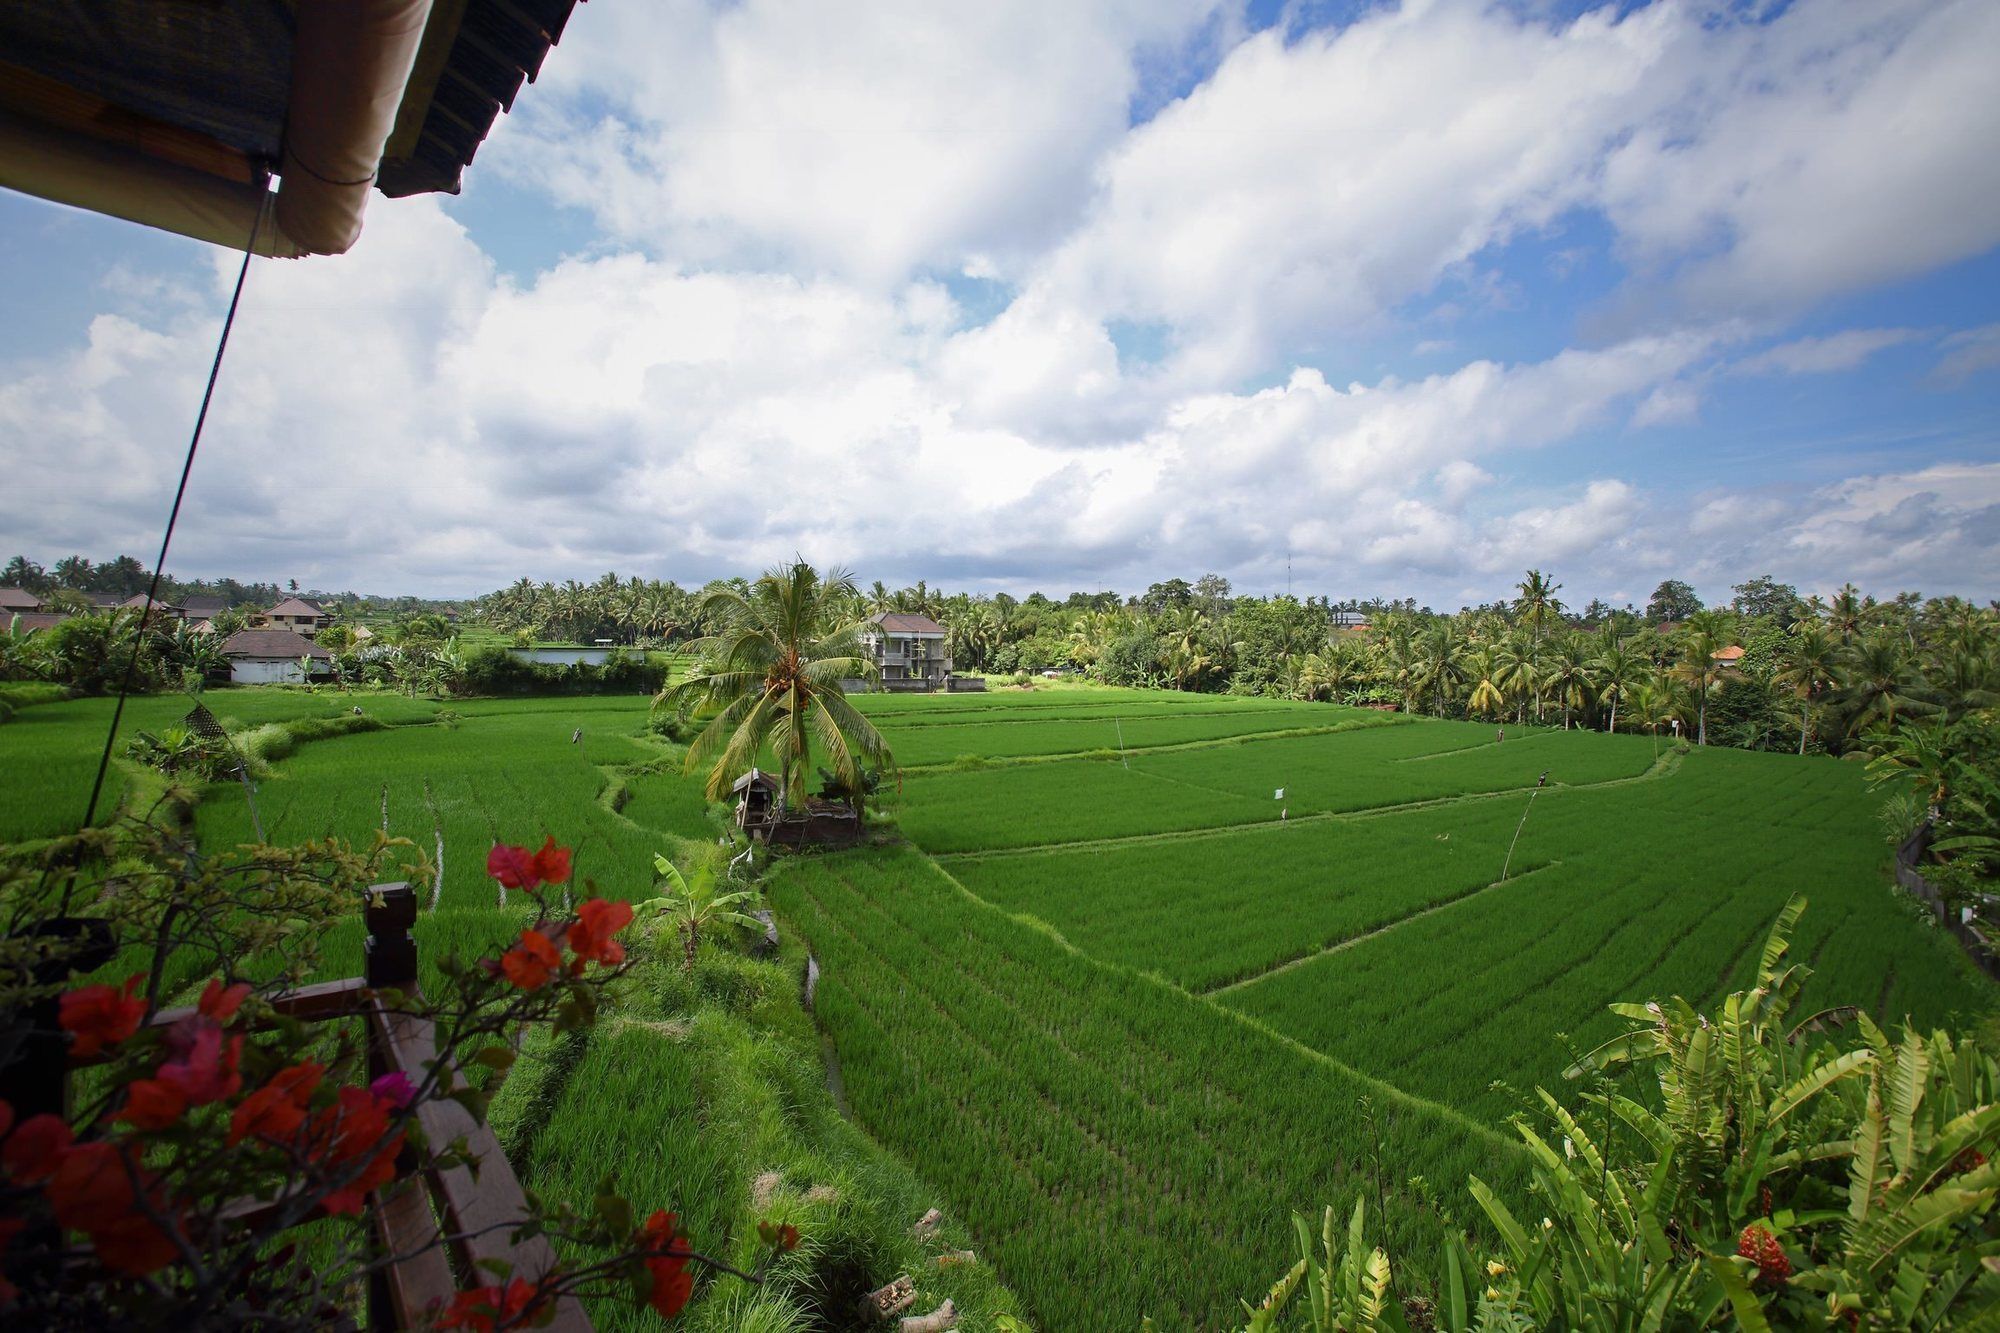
(404, 1224)
(487, 1201)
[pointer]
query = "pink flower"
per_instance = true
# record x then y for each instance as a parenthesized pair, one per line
(395, 1089)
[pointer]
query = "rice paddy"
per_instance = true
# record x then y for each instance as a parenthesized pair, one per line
(1134, 975)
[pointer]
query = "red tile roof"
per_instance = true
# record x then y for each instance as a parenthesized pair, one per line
(17, 599)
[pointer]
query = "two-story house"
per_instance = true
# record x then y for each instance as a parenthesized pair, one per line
(297, 615)
(909, 649)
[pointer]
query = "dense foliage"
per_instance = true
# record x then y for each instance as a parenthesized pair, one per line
(1756, 1175)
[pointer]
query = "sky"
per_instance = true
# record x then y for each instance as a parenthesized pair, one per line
(1386, 300)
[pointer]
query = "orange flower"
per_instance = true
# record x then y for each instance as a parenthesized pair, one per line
(152, 1104)
(529, 963)
(667, 1263)
(98, 1016)
(276, 1110)
(485, 1308)
(351, 1129)
(551, 863)
(597, 921)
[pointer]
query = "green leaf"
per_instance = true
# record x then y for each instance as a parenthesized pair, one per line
(1748, 1309)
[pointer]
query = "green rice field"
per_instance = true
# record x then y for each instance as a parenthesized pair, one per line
(1126, 977)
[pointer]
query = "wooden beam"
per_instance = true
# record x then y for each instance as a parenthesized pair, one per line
(38, 97)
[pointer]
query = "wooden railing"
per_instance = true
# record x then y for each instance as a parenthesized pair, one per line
(442, 1223)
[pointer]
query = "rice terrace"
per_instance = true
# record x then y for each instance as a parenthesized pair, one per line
(840, 666)
(1119, 995)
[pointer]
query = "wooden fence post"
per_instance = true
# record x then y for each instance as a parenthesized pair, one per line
(389, 961)
(390, 955)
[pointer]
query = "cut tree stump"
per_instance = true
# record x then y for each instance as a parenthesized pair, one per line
(938, 1320)
(927, 1225)
(878, 1305)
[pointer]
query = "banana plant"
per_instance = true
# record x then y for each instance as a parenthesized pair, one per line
(693, 904)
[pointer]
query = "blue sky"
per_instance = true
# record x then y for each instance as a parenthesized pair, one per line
(1065, 295)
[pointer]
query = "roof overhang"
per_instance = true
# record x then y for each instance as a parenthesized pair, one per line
(179, 113)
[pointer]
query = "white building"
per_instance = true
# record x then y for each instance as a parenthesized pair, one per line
(273, 657)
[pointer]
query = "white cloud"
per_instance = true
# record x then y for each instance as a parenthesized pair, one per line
(1819, 356)
(1967, 353)
(866, 139)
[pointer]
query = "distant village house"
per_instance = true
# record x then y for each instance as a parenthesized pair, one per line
(909, 650)
(298, 615)
(274, 657)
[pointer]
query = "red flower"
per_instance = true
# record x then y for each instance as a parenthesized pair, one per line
(512, 866)
(597, 921)
(221, 1002)
(353, 1128)
(1761, 1248)
(203, 1066)
(276, 1110)
(667, 1264)
(35, 1148)
(92, 1192)
(485, 1308)
(551, 863)
(98, 1016)
(152, 1104)
(395, 1089)
(529, 963)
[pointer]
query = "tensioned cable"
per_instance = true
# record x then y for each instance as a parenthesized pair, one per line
(173, 517)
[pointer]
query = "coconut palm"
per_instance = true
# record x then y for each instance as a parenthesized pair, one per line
(1618, 670)
(1705, 634)
(1847, 612)
(1806, 667)
(1879, 682)
(1485, 669)
(1535, 605)
(773, 680)
(1569, 674)
(1440, 662)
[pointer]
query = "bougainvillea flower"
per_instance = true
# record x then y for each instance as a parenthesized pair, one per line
(202, 1063)
(551, 863)
(483, 1309)
(35, 1148)
(672, 1284)
(153, 1104)
(354, 1128)
(276, 1110)
(395, 1089)
(514, 867)
(597, 921)
(92, 1192)
(221, 1002)
(529, 963)
(98, 1016)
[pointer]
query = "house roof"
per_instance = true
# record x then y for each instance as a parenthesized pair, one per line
(204, 606)
(295, 606)
(137, 602)
(273, 645)
(1730, 654)
(905, 622)
(755, 777)
(18, 599)
(27, 622)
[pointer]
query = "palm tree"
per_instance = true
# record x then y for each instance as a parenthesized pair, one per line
(1847, 613)
(1807, 669)
(773, 679)
(1440, 662)
(1878, 682)
(1705, 634)
(1618, 670)
(694, 904)
(1569, 675)
(1535, 605)
(1485, 670)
